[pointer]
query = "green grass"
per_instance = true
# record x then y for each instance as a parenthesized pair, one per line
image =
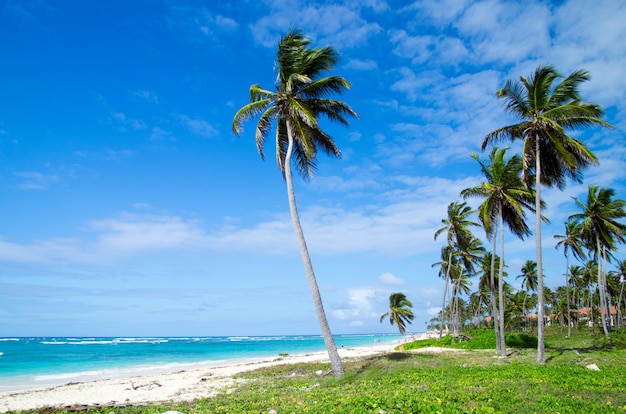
(471, 381)
(478, 339)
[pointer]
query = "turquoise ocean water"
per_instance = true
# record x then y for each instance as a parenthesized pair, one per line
(41, 362)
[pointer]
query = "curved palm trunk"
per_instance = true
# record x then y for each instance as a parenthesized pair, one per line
(501, 289)
(541, 358)
(494, 307)
(443, 300)
(333, 354)
(524, 309)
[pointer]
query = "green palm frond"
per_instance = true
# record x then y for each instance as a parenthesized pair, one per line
(546, 110)
(302, 97)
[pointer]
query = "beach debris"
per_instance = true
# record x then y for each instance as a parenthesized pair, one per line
(319, 372)
(593, 367)
(148, 385)
(172, 412)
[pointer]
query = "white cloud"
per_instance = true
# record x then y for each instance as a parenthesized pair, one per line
(359, 305)
(198, 126)
(390, 279)
(335, 24)
(132, 233)
(361, 64)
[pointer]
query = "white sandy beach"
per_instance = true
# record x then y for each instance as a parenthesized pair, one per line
(174, 386)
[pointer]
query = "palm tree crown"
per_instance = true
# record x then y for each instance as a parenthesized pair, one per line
(503, 193)
(599, 218)
(529, 275)
(400, 312)
(546, 113)
(301, 96)
(571, 241)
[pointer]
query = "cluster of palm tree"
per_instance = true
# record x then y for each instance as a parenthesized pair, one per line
(546, 111)
(576, 305)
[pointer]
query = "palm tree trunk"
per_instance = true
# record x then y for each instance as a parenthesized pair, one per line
(541, 358)
(457, 316)
(501, 288)
(620, 320)
(524, 309)
(602, 288)
(331, 347)
(569, 324)
(443, 300)
(494, 307)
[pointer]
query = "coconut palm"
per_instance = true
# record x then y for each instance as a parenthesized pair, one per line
(400, 311)
(300, 98)
(505, 201)
(570, 241)
(550, 156)
(456, 226)
(529, 278)
(600, 228)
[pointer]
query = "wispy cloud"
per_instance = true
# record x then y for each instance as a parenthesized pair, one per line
(197, 22)
(147, 96)
(338, 24)
(126, 122)
(33, 180)
(198, 126)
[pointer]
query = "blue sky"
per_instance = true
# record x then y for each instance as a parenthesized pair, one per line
(127, 206)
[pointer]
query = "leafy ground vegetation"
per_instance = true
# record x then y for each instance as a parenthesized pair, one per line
(471, 380)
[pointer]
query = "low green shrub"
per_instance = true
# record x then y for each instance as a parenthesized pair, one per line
(521, 340)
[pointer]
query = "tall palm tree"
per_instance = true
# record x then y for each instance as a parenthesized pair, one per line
(529, 278)
(458, 236)
(601, 228)
(546, 112)
(505, 199)
(300, 98)
(400, 311)
(570, 241)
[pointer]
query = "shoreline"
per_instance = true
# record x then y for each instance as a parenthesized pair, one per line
(199, 381)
